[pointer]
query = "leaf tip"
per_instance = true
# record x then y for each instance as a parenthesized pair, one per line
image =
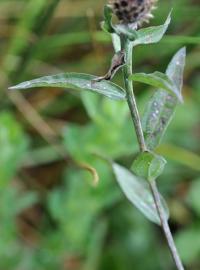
(169, 18)
(182, 52)
(20, 86)
(12, 87)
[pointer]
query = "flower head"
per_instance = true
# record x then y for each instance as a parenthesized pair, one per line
(133, 11)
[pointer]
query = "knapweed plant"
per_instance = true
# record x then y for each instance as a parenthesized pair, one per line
(139, 182)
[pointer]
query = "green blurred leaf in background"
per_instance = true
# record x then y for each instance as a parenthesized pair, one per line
(51, 217)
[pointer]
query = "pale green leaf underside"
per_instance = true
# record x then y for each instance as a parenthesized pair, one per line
(76, 81)
(176, 67)
(158, 80)
(138, 193)
(161, 107)
(152, 34)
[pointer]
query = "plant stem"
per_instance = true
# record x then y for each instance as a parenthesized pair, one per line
(165, 226)
(127, 46)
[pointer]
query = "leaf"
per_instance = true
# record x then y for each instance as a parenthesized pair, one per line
(188, 244)
(148, 165)
(13, 145)
(193, 197)
(107, 23)
(76, 81)
(138, 193)
(180, 155)
(182, 39)
(159, 80)
(161, 107)
(176, 67)
(152, 34)
(91, 104)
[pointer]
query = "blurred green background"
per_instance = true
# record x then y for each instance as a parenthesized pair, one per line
(51, 215)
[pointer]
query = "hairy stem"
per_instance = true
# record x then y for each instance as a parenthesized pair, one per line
(127, 46)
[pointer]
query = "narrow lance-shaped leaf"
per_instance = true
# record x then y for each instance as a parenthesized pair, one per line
(152, 34)
(158, 80)
(76, 81)
(180, 155)
(107, 23)
(161, 107)
(138, 193)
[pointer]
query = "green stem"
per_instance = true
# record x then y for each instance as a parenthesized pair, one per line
(165, 226)
(127, 47)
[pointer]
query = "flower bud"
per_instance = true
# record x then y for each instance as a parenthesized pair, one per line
(133, 11)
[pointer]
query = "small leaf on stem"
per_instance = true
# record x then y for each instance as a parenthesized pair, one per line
(148, 165)
(152, 34)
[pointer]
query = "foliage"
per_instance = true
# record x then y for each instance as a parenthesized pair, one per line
(71, 224)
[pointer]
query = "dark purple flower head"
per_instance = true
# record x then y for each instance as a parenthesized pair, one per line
(133, 11)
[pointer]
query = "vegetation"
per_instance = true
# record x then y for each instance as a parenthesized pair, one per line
(54, 212)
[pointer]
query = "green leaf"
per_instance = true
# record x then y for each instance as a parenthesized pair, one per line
(13, 145)
(148, 165)
(161, 107)
(138, 193)
(159, 80)
(180, 155)
(107, 23)
(76, 81)
(193, 197)
(188, 244)
(152, 34)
